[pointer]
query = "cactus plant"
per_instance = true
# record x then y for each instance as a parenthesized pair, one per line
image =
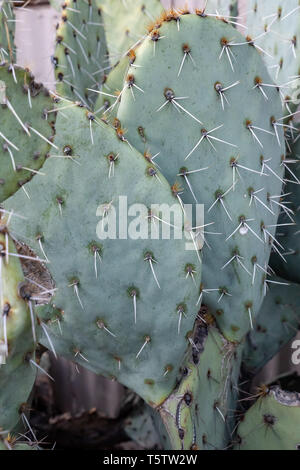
(80, 57)
(7, 32)
(126, 300)
(209, 375)
(26, 128)
(215, 138)
(111, 92)
(17, 333)
(272, 423)
(114, 82)
(141, 429)
(276, 325)
(157, 292)
(273, 25)
(287, 264)
(126, 23)
(227, 8)
(10, 442)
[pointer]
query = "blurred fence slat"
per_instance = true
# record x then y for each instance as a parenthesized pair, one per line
(79, 390)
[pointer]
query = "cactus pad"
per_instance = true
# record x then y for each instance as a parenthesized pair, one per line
(286, 265)
(197, 413)
(7, 32)
(274, 27)
(108, 98)
(116, 299)
(80, 57)
(276, 324)
(17, 336)
(272, 423)
(126, 23)
(25, 128)
(195, 125)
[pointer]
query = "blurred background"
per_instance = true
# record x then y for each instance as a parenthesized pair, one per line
(87, 410)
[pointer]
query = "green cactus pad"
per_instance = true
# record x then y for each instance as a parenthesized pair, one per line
(288, 235)
(277, 323)
(126, 23)
(223, 7)
(24, 105)
(7, 32)
(11, 443)
(80, 57)
(234, 8)
(17, 345)
(107, 101)
(274, 25)
(197, 414)
(139, 426)
(56, 4)
(103, 282)
(272, 423)
(231, 163)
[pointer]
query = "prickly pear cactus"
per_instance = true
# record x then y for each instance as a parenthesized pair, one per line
(115, 82)
(126, 23)
(227, 8)
(118, 296)
(234, 8)
(272, 423)
(286, 264)
(277, 323)
(139, 426)
(56, 4)
(80, 57)
(10, 442)
(17, 336)
(25, 128)
(111, 92)
(7, 32)
(199, 131)
(209, 375)
(101, 256)
(273, 25)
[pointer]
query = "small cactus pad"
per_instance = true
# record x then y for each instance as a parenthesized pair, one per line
(80, 57)
(197, 413)
(122, 294)
(7, 32)
(274, 26)
(216, 137)
(126, 23)
(272, 423)
(25, 128)
(139, 426)
(276, 324)
(17, 343)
